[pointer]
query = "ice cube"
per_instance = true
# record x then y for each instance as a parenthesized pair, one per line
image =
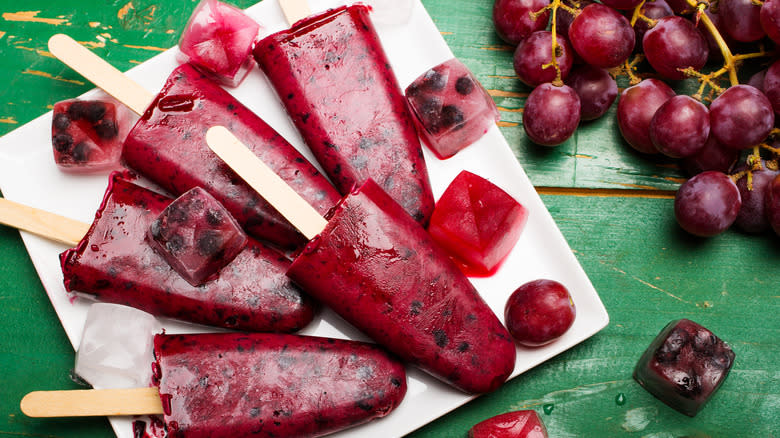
(116, 348)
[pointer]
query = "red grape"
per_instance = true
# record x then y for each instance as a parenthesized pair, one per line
(622, 4)
(596, 89)
(772, 85)
(713, 156)
(636, 108)
(564, 18)
(773, 204)
(757, 80)
(707, 204)
(680, 127)
(770, 19)
(536, 51)
(654, 11)
(673, 44)
(551, 114)
(539, 312)
(741, 117)
(601, 36)
(513, 21)
(715, 52)
(752, 217)
(741, 19)
(680, 6)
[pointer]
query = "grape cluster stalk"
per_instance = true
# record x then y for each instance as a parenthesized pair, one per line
(724, 134)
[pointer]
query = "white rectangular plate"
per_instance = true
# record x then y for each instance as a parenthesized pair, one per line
(28, 175)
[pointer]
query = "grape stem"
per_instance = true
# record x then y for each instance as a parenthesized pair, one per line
(729, 62)
(555, 48)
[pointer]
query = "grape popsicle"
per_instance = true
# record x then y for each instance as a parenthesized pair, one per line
(113, 263)
(380, 270)
(167, 143)
(240, 385)
(334, 79)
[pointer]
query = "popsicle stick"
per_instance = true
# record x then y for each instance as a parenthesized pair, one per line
(92, 402)
(294, 10)
(100, 73)
(42, 223)
(267, 183)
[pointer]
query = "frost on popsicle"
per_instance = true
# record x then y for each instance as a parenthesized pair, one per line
(196, 235)
(86, 135)
(477, 223)
(452, 108)
(219, 40)
(116, 347)
(684, 366)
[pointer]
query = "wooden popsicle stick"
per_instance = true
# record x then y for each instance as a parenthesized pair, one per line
(267, 183)
(42, 223)
(92, 402)
(294, 10)
(100, 73)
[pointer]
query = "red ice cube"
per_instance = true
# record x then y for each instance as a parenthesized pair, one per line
(684, 366)
(87, 135)
(196, 235)
(517, 424)
(452, 108)
(477, 223)
(219, 39)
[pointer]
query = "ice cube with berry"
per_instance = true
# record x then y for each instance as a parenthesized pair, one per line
(196, 235)
(451, 108)
(684, 366)
(218, 39)
(87, 135)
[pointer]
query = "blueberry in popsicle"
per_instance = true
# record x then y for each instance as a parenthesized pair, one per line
(380, 270)
(335, 81)
(257, 384)
(167, 143)
(113, 263)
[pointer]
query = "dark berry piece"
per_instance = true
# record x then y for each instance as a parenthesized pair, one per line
(440, 338)
(76, 110)
(464, 85)
(177, 214)
(434, 81)
(214, 217)
(106, 129)
(704, 341)
(94, 111)
(722, 360)
(61, 122)
(81, 152)
(175, 243)
(209, 243)
(452, 116)
(687, 383)
(672, 346)
(62, 142)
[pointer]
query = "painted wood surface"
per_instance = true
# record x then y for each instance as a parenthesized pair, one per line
(646, 270)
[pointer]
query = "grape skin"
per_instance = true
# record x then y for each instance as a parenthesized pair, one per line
(551, 114)
(601, 36)
(595, 87)
(674, 44)
(741, 117)
(536, 51)
(680, 127)
(772, 204)
(512, 21)
(770, 19)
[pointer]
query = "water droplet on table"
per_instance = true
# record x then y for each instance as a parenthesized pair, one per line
(548, 408)
(620, 400)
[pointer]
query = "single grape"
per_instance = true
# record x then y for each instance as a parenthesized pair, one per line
(741, 19)
(513, 21)
(770, 19)
(772, 85)
(551, 114)
(680, 127)
(635, 111)
(752, 217)
(741, 117)
(707, 204)
(680, 6)
(713, 156)
(596, 89)
(564, 18)
(757, 80)
(673, 44)
(601, 36)
(654, 11)
(536, 51)
(772, 204)
(538, 312)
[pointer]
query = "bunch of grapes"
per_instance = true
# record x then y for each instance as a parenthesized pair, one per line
(724, 134)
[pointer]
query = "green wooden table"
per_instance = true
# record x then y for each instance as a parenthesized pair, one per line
(612, 204)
